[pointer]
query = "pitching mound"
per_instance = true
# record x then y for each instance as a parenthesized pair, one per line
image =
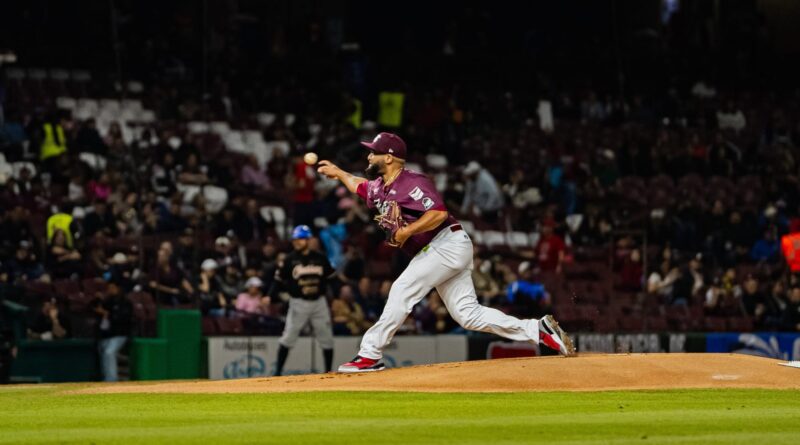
(582, 373)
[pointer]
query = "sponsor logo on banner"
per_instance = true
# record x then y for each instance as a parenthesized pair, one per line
(245, 366)
(779, 346)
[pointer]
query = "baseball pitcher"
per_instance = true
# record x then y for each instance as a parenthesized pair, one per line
(304, 275)
(415, 219)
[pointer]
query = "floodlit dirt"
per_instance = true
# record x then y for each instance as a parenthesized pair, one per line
(583, 373)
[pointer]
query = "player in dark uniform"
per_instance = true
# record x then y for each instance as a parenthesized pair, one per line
(304, 275)
(441, 254)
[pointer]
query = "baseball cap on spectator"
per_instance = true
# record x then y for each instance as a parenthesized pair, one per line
(523, 267)
(119, 258)
(209, 264)
(387, 144)
(472, 168)
(223, 241)
(254, 282)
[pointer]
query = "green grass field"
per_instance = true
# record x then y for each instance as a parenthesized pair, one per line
(45, 415)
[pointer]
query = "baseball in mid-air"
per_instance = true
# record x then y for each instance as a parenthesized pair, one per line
(310, 158)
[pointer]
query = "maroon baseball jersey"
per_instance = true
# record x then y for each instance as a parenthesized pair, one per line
(415, 194)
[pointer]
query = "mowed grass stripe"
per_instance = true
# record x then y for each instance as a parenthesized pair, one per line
(688, 416)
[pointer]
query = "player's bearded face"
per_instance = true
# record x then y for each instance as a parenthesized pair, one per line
(376, 167)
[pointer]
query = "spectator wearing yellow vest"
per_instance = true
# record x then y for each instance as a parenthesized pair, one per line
(54, 141)
(60, 221)
(63, 260)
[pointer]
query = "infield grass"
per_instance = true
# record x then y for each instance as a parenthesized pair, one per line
(46, 415)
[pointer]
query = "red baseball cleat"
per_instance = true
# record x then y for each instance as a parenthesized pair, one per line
(362, 364)
(552, 336)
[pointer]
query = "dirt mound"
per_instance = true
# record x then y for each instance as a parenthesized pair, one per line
(582, 373)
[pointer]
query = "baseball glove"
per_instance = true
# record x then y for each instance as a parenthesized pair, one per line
(390, 221)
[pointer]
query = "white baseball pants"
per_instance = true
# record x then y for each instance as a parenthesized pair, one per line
(445, 264)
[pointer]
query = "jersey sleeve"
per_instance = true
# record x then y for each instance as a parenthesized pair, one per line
(422, 196)
(361, 190)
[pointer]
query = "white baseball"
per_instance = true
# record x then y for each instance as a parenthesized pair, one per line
(310, 158)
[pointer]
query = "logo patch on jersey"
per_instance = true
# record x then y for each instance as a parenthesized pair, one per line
(416, 194)
(427, 203)
(392, 192)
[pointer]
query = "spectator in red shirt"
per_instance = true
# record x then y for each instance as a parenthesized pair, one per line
(631, 274)
(550, 249)
(302, 181)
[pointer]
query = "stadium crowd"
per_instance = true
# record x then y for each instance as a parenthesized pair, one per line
(637, 212)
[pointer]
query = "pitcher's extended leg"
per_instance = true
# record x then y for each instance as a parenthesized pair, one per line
(458, 295)
(421, 275)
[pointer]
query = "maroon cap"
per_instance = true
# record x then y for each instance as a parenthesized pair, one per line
(387, 144)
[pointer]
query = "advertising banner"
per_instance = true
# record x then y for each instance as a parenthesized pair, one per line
(242, 357)
(782, 346)
(624, 343)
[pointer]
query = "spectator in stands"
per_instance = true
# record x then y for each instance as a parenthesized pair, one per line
(724, 297)
(775, 306)
(688, 283)
(347, 315)
(50, 323)
(224, 253)
(100, 219)
(167, 281)
(23, 266)
(631, 273)
(713, 297)
(302, 183)
(231, 282)
(192, 172)
(62, 261)
(114, 139)
(738, 237)
(248, 224)
(791, 316)
(100, 188)
(121, 268)
(51, 138)
(114, 314)
(444, 322)
(486, 286)
(371, 298)
(76, 189)
(266, 261)
(253, 301)
(354, 264)
(186, 254)
(527, 297)
(89, 139)
(660, 281)
(767, 248)
(15, 228)
(209, 289)
(164, 175)
(483, 197)
(550, 250)
(753, 301)
(255, 177)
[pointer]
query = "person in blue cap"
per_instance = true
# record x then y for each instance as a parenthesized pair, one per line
(304, 276)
